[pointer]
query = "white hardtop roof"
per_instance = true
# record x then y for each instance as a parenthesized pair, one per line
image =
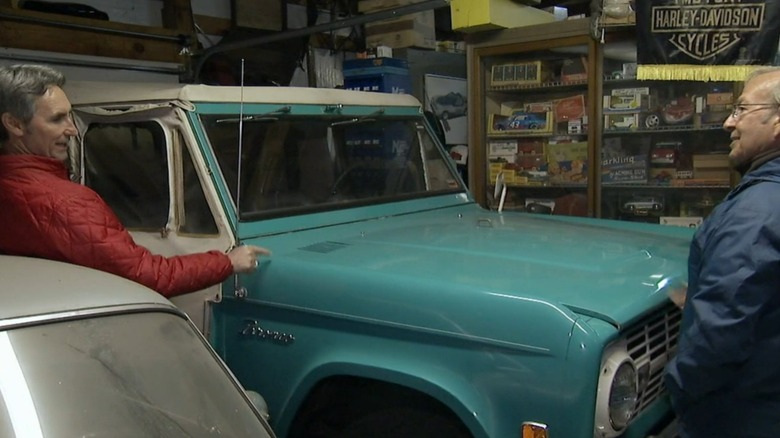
(30, 286)
(94, 93)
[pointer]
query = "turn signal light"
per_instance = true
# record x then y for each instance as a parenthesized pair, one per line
(533, 430)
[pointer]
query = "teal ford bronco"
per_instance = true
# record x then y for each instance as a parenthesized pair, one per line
(393, 304)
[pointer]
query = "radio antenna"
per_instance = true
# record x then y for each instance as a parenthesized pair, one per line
(240, 146)
(239, 291)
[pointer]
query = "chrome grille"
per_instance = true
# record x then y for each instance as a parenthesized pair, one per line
(651, 344)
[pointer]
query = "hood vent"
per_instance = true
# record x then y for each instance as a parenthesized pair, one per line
(324, 247)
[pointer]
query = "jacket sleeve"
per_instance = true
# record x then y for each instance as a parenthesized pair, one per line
(86, 232)
(738, 277)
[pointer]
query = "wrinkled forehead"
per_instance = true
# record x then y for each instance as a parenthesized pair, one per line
(54, 101)
(762, 85)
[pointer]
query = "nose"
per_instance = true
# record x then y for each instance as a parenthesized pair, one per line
(729, 123)
(71, 130)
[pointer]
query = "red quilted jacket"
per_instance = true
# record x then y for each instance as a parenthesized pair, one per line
(43, 214)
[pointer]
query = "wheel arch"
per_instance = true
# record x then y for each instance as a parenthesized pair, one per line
(443, 389)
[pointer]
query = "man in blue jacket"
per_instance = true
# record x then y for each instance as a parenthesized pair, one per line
(725, 380)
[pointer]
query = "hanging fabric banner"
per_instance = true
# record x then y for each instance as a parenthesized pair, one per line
(705, 40)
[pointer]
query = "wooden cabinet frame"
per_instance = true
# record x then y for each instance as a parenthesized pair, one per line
(517, 41)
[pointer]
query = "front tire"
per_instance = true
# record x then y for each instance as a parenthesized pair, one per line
(404, 422)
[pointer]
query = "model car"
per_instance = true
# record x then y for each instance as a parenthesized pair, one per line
(522, 121)
(85, 353)
(676, 111)
(623, 102)
(643, 204)
(616, 121)
(393, 302)
(450, 105)
(665, 152)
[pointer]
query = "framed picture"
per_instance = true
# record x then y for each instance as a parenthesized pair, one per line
(446, 97)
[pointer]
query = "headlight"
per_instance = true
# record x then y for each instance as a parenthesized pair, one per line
(617, 391)
(622, 396)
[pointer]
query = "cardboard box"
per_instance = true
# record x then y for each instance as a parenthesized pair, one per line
(710, 161)
(567, 163)
(628, 169)
(607, 20)
(720, 99)
(412, 30)
(502, 148)
(520, 73)
(570, 108)
(530, 162)
(623, 102)
(530, 147)
(514, 107)
(712, 167)
(481, 15)
(574, 70)
(415, 30)
(493, 170)
(662, 176)
(630, 91)
(617, 122)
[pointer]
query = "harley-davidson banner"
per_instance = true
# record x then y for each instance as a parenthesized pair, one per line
(705, 40)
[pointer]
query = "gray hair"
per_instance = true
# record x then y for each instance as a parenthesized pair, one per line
(774, 93)
(21, 86)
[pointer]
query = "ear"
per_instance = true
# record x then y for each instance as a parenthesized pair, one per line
(14, 126)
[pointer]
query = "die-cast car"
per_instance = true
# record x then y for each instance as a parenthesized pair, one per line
(522, 121)
(643, 204)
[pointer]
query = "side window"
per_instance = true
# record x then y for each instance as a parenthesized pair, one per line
(198, 218)
(127, 165)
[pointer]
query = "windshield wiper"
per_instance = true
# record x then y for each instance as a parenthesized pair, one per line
(361, 119)
(266, 117)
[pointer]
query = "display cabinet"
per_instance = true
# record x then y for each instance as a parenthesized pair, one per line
(664, 152)
(559, 119)
(531, 114)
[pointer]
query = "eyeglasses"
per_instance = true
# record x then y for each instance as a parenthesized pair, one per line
(741, 109)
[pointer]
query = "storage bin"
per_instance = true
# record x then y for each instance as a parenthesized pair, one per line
(384, 75)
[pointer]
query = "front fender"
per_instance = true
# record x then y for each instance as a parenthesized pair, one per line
(491, 388)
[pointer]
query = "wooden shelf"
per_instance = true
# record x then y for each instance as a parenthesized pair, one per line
(33, 30)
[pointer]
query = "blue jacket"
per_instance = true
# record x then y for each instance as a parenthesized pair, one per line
(725, 380)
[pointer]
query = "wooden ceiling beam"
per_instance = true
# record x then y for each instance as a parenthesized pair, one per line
(33, 30)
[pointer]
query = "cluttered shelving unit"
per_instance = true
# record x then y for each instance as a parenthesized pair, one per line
(558, 117)
(530, 100)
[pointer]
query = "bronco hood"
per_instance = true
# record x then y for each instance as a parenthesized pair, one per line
(608, 269)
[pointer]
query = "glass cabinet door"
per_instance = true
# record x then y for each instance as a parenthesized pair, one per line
(530, 127)
(664, 152)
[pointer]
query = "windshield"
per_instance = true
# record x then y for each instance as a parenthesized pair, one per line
(131, 375)
(301, 163)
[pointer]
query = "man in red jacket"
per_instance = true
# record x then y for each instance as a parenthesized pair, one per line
(44, 214)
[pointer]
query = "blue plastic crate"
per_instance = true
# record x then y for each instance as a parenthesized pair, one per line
(356, 64)
(383, 83)
(384, 75)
